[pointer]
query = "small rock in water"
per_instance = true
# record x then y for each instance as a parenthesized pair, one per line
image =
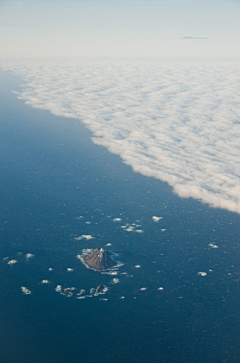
(99, 289)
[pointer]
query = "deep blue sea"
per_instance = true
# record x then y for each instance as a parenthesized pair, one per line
(57, 185)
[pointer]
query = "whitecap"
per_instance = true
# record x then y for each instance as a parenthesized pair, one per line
(29, 255)
(156, 219)
(84, 236)
(129, 229)
(58, 288)
(25, 290)
(115, 281)
(212, 245)
(82, 291)
(12, 262)
(200, 273)
(109, 272)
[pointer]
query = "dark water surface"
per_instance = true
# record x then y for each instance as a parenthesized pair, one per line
(51, 174)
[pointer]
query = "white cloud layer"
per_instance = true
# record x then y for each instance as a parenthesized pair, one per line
(177, 122)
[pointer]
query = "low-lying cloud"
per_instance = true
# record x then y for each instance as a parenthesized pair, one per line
(177, 122)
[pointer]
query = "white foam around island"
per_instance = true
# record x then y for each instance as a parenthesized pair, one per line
(85, 252)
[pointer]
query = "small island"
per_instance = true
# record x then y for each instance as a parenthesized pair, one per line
(98, 259)
(100, 289)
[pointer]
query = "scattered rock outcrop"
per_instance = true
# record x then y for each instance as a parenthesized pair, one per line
(99, 289)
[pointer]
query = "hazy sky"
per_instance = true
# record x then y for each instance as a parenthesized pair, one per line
(162, 28)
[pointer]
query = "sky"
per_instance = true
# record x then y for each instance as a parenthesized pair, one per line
(111, 28)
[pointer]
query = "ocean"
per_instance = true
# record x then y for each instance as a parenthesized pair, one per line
(176, 297)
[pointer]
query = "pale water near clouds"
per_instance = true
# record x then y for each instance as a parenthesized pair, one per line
(177, 122)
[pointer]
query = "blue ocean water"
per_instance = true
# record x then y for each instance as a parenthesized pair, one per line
(53, 181)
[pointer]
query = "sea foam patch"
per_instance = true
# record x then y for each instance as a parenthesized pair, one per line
(84, 236)
(25, 290)
(175, 121)
(12, 262)
(201, 273)
(156, 219)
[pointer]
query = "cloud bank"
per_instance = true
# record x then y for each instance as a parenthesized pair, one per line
(177, 122)
(189, 37)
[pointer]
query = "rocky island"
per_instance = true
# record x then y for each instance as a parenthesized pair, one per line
(98, 259)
